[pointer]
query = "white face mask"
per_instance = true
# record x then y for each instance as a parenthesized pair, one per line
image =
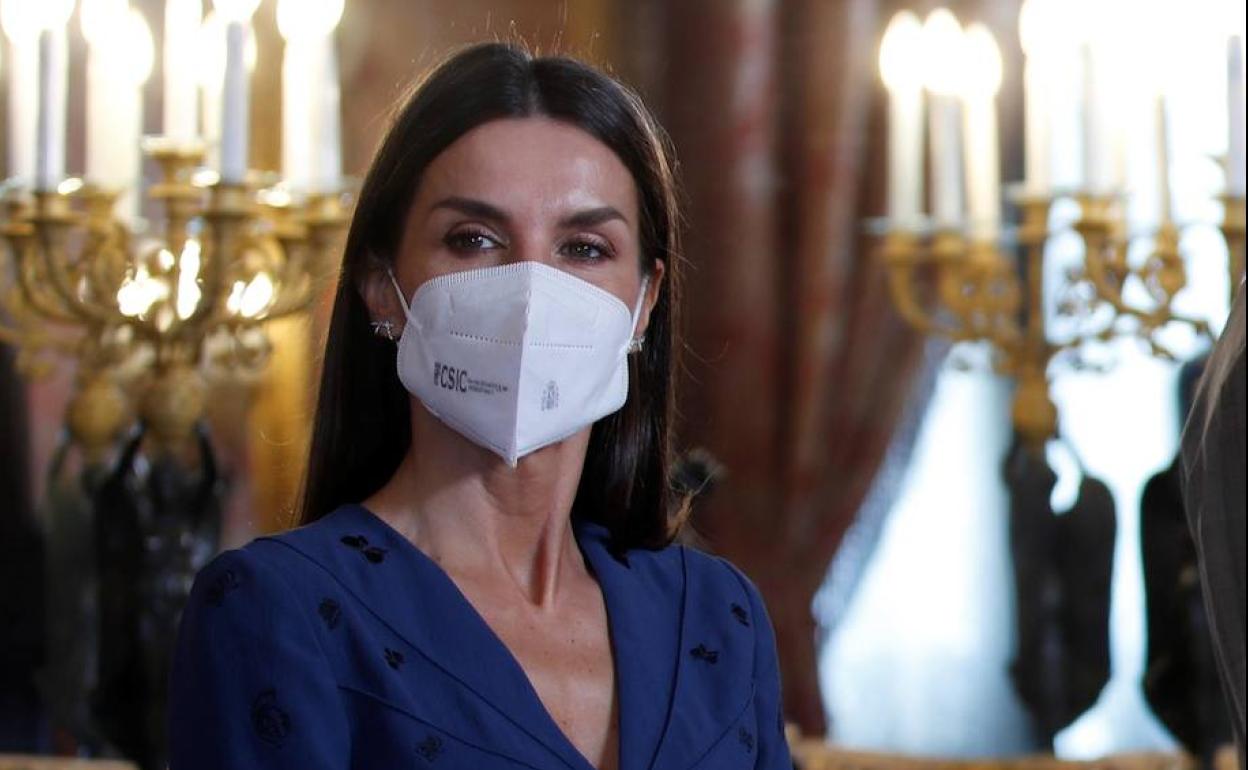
(516, 357)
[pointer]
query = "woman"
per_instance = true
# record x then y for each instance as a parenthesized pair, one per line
(1213, 491)
(484, 577)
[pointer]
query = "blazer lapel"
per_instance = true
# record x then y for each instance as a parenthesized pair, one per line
(644, 594)
(377, 565)
(714, 666)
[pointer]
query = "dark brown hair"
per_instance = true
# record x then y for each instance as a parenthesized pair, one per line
(362, 427)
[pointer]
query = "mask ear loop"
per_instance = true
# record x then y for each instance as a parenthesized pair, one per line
(634, 342)
(398, 290)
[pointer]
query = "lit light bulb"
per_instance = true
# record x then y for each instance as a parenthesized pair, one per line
(236, 10)
(308, 19)
(941, 45)
(17, 19)
(137, 295)
(981, 62)
(188, 279)
(101, 20)
(1036, 26)
(235, 301)
(900, 54)
(24, 19)
(136, 52)
(257, 296)
(211, 45)
(184, 12)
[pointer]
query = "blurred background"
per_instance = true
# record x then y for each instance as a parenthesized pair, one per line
(948, 289)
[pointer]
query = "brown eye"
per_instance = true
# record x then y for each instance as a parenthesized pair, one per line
(586, 250)
(470, 242)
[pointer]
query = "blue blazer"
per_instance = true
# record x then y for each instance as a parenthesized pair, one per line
(341, 645)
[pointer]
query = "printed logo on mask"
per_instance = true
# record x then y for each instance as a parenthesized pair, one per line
(457, 380)
(450, 378)
(550, 396)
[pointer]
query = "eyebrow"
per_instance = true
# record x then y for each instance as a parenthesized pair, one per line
(479, 208)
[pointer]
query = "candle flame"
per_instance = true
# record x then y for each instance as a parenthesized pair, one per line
(941, 43)
(100, 19)
(308, 19)
(981, 60)
(899, 65)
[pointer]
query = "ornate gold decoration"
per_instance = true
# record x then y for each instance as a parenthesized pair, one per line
(983, 294)
(152, 319)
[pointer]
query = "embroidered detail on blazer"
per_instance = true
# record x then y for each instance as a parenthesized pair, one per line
(270, 722)
(430, 748)
(375, 554)
(746, 738)
(703, 653)
(394, 658)
(224, 583)
(330, 612)
(740, 614)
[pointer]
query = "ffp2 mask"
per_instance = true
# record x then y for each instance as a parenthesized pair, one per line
(516, 357)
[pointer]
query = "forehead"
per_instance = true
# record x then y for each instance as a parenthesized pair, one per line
(530, 165)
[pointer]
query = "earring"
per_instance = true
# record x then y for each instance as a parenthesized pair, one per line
(636, 343)
(384, 329)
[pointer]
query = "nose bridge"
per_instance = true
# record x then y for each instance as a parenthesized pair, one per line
(531, 242)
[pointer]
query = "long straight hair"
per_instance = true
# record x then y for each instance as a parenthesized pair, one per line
(362, 428)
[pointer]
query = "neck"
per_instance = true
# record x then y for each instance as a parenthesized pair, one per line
(476, 516)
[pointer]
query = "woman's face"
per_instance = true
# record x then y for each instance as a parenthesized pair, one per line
(530, 189)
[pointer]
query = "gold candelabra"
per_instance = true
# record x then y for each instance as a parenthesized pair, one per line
(968, 290)
(152, 319)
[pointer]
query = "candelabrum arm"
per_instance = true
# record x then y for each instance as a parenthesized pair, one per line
(228, 216)
(902, 254)
(34, 290)
(52, 222)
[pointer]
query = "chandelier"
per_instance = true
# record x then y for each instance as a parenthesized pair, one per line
(153, 311)
(953, 271)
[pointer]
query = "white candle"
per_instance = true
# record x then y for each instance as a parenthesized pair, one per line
(944, 72)
(23, 107)
(1037, 33)
(946, 140)
(298, 119)
(1093, 151)
(1164, 200)
(311, 123)
(981, 148)
(181, 110)
(1036, 128)
(210, 60)
(905, 155)
(119, 61)
(235, 105)
(127, 174)
(1235, 154)
(328, 121)
(135, 57)
(1104, 146)
(53, 87)
(100, 118)
(900, 69)
(235, 87)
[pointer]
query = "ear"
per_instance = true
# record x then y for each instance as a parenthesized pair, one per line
(379, 296)
(652, 296)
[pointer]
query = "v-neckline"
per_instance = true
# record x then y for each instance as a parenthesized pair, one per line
(473, 613)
